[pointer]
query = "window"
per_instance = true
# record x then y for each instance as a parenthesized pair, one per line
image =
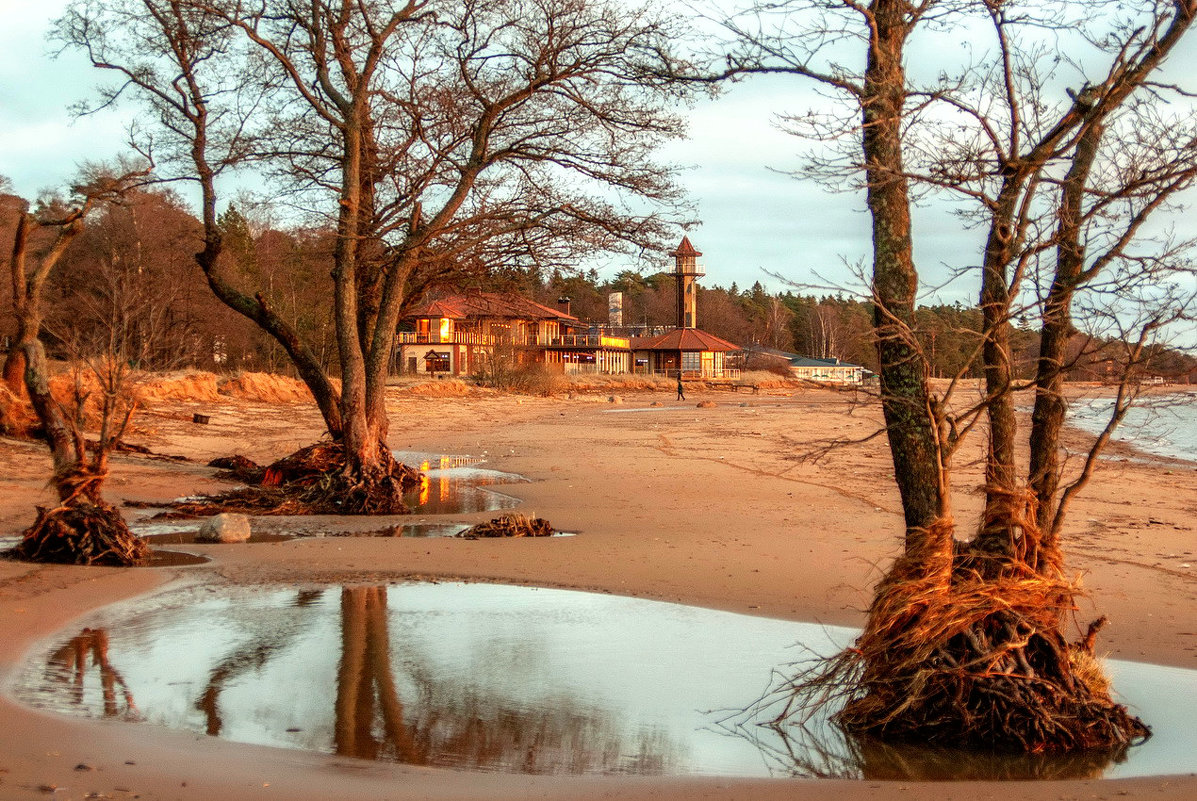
(436, 362)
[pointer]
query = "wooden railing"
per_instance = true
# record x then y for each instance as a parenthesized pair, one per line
(726, 374)
(456, 338)
(582, 341)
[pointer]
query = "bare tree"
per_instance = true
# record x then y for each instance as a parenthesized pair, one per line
(435, 134)
(964, 641)
(124, 292)
(83, 528)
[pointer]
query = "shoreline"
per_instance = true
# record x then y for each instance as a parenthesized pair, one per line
(700, 506)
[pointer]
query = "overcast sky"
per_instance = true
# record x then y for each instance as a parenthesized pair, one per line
(756, 221)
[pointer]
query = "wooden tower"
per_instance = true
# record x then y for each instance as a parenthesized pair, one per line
(687, 270)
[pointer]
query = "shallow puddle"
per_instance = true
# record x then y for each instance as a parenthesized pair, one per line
(451, 485)
(158, 557)
(168, 558)
(456, 485)
(503, 678)
(184, 533)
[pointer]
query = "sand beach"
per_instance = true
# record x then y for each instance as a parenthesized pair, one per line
(711, 506)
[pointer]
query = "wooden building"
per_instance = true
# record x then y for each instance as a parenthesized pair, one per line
(470, 333)
(695, 353)
(686, 349)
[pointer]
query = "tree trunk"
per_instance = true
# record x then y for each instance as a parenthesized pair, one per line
(997, 534)
(14, 362)
(361, 446)
(58, 434)
(905, 395)
(1047, 418)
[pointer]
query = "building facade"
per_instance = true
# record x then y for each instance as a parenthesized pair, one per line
(476, 332)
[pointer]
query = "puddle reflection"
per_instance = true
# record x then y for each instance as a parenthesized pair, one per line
(826, 752)
(511, 679)
(185, 534)
(81, 660)
(456, 485)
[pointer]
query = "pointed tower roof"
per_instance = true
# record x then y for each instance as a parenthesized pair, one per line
(686, 249)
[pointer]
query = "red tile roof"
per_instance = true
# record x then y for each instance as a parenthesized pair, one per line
(489, 304)
(686, 249)
(684, 339)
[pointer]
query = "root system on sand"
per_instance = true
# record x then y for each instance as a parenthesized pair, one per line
(313, 480)
(509, 525)
(81, 532)
(953, 655)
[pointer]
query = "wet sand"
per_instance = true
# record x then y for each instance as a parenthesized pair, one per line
(705, 506)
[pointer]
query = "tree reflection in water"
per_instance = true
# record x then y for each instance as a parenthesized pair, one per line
(453, 724)
(423, 715)
(253, 656)
(69, 665)
(817, 748)
(477, 678)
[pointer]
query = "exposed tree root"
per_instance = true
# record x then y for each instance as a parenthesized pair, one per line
(509, 525)
(313, 480)
(952, 657)
(81, 532)
(240, 468)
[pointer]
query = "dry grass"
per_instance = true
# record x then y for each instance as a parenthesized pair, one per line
(16, 416)
(63, 387)
(769, 380)
(598, 382)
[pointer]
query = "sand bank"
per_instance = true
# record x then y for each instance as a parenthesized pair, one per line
(706, 506)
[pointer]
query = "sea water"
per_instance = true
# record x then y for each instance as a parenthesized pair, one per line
(1164, 425)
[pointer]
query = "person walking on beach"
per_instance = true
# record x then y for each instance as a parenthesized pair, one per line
(681, 395)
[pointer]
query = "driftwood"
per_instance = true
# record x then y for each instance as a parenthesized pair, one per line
(240, 468)
(509, 525)
(141, 450)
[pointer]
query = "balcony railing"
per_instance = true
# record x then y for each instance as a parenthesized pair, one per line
(583, 341)
(472, 338)
(456, 338)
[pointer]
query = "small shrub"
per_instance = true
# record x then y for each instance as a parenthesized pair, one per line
(532, 379)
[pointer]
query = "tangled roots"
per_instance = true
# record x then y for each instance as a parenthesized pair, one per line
(509, 525)
(341, 494)
(951, 657)
(313, 480)
(81, 532)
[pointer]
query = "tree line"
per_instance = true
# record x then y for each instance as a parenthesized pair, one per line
(129, 283)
